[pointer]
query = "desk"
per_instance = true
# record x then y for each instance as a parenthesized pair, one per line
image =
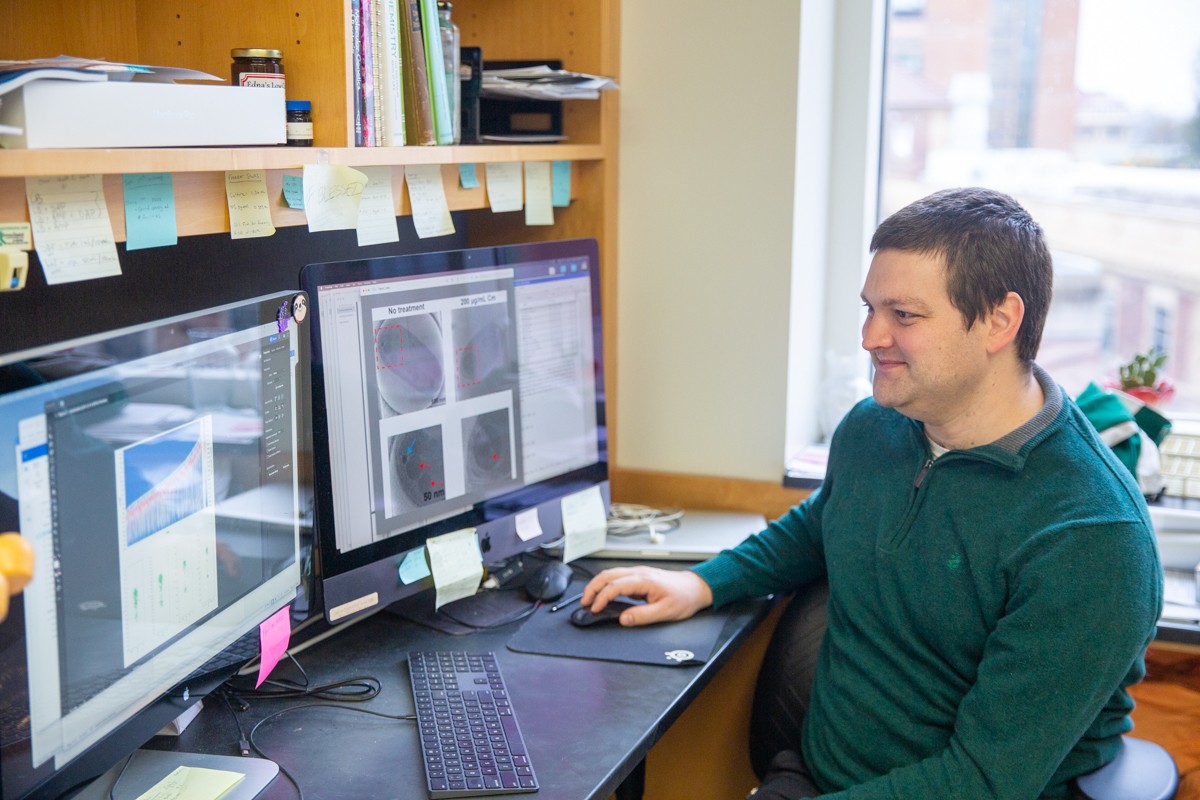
(588, 724)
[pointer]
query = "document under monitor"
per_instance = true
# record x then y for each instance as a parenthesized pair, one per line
(462, 389)
(157, 472)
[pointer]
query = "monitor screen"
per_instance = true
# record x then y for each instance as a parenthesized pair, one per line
(462, 389)
(157, 472)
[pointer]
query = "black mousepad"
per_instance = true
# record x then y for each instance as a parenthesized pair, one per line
(671, 644)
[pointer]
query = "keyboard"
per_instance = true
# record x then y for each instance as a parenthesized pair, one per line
(471, 744)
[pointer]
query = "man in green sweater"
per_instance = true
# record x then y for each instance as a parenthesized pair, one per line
(993, 576)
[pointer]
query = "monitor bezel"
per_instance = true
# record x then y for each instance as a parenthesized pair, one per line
(362, 580)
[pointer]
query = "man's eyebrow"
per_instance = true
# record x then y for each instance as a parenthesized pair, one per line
(893, 302)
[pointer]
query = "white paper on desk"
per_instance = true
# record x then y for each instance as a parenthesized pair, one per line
(456, 565)
(585, 526)
(427, 196)
(528, 524)
(504, 186)
(71, 229)
(377, 208)
(538, 209)
(332, 194)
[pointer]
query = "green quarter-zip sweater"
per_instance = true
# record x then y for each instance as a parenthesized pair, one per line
(987, 610)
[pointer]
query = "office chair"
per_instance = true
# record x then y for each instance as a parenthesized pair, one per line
(1141, 771)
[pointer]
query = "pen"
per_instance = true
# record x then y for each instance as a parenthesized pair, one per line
(565, 603)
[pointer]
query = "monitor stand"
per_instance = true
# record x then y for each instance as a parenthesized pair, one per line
(148, 767)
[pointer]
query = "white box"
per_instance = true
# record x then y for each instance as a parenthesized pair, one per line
(57, 114)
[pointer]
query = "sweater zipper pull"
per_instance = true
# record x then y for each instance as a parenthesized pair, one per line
(921, 475)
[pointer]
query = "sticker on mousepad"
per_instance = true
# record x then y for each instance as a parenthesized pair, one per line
(673, 644)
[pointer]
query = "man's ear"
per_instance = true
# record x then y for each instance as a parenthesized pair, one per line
(1004, 321)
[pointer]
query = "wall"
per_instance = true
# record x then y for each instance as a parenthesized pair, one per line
(708, 139)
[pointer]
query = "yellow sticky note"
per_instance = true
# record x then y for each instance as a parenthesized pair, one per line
(193, 783)
(377, 209)
(456, 565)
(249, 205)
(71, 227)
(427, 195)
(538, 209)
(332, 194)
(504, 186)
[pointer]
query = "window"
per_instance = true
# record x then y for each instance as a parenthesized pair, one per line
(1088, 112)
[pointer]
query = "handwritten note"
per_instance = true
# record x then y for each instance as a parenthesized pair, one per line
(427, 195)
(273, 637)
(149, 211)
(249, 205)
(456, 565)
(377, 208)
(560, 183)
(193, 783)
(332, 194)
(504, 186)
(71, 227)
(528, 525)
(538, 210)
(293, 191)
(585, 525)
(467, 178)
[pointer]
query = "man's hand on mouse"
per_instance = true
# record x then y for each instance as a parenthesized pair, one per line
(669, 594)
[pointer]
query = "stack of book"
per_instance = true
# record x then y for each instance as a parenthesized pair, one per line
(401, 95)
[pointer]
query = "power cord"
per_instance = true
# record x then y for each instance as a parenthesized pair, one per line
(627, 519)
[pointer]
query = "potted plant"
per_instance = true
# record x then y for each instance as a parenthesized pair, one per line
(1140, 378)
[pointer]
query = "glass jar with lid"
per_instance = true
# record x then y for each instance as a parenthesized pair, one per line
(253, 66)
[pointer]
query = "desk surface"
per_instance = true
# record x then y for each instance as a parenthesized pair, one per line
(587, 724)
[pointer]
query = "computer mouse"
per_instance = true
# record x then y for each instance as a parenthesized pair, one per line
(549, 581)
(584, 618)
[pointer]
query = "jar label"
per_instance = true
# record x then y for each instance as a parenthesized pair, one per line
(264, 80)
(300, 130)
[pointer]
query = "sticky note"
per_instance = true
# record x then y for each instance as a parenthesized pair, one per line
(427, 195)
(71, 227)
(377, 208)
(504, 186)
(249, 206)
(293, 191)
(560, 183)
(538, 210)
(15, 236)
(528, 525)
(585, 525)
(331, 196)
(414, 567)
(193, 783)
(456, 565)
(467, 178)
(149, 211)
(273, 637)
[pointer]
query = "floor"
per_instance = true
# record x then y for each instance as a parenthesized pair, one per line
(1168, 712)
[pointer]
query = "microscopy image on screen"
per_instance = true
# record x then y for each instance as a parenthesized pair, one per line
(408, 363)
(488, 450)
(483, 360)
(417, 469)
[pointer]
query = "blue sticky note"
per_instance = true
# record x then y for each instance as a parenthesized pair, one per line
(467, 177)
(560, 184)
(414, 567)
(293, 191)
(149, 211)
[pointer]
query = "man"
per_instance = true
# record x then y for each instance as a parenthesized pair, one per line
(993, 575)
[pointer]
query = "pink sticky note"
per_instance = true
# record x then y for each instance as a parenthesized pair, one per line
(273, 638)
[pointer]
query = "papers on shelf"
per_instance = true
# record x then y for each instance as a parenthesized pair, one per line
(18, 73)
(543, 83)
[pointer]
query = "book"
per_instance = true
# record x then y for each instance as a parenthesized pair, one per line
(367, 70)
(418, 113)
(379, 58)
(435, 69)
(356, 67)
(392, 87)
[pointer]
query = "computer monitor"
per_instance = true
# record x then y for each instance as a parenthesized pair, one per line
(157, 471)
(461, 389)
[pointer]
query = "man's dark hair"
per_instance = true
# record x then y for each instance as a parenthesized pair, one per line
(991, 246)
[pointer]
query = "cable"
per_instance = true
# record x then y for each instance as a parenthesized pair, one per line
(626, 519)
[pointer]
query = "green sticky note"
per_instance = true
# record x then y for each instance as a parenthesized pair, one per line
(467, 177)
(414, 567)
(149, 211)
(293, 191)
(560, 184)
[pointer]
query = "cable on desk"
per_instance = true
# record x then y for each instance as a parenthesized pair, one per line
(626, 519)
(350, 690)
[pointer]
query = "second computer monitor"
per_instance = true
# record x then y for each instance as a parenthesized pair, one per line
(451, 390)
